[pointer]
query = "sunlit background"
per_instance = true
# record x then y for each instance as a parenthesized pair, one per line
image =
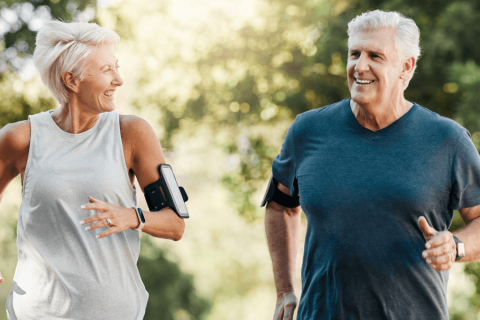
(220, 81)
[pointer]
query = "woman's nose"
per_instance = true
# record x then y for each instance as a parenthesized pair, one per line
(118, 80)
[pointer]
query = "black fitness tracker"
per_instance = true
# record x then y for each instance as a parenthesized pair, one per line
(141, 219)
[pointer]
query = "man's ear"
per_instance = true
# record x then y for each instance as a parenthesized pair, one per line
(71, 81)
(408, 67)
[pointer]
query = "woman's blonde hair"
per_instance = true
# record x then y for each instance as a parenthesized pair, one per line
(62, 47)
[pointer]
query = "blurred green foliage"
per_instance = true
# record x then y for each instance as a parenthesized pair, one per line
(251, 77)
(172, 294)
(59, 9)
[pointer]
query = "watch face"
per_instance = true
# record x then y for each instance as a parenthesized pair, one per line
(460, 249)
(141, 216)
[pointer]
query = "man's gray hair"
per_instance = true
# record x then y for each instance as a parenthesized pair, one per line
(63, 47)
(407, 39)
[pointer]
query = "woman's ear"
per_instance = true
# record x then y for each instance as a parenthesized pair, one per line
(70, 81)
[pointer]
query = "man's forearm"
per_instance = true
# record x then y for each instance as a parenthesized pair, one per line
(281, 227)
(469, 234)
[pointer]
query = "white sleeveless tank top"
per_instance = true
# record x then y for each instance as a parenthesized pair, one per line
(63, 271)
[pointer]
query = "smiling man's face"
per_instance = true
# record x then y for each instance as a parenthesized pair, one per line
(374, 67)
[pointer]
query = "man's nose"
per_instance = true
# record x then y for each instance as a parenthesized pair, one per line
(362, 64)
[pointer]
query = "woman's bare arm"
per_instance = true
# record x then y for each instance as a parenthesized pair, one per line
(145, 156)
(14, 144)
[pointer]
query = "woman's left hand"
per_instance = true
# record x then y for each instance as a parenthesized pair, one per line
(121, 218)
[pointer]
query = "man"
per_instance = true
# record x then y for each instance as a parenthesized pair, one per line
(378, 178)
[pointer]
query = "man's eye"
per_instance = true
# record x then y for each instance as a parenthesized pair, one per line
(355, 54)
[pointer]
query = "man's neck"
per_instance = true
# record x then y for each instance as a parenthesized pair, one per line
(376, 118)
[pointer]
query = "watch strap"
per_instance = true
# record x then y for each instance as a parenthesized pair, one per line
(141, 219)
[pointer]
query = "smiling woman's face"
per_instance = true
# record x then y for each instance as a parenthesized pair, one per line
(374, 68)
(101, 79)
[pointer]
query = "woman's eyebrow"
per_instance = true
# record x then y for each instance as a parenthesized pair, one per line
(109, 64)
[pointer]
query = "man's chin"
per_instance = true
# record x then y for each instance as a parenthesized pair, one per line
(361, 99)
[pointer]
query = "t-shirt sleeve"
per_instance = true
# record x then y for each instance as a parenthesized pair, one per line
(465, 174)
(283, 167)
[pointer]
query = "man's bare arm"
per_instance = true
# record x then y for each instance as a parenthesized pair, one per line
(281, 227)
(441, 252)
(469, 234)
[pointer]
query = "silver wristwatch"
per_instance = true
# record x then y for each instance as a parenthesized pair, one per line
(460, 249)
(141, 219)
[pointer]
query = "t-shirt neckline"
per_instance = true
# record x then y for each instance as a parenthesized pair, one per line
(388, 128)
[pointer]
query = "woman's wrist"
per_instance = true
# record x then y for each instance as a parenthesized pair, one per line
(135, 223)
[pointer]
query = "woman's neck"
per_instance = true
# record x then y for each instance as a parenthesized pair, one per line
(72, 117)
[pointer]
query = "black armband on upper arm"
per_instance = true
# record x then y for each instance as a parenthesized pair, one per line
(165, 192)
(273, 194)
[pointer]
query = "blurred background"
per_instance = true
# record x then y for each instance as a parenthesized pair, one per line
(220, 81)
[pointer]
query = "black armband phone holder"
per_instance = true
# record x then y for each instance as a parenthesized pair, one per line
(273, 194)
(165, 192)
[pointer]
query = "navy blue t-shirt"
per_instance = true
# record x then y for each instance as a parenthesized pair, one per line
(362, 193)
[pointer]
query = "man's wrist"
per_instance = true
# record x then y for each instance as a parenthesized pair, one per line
(459, 248)
(280, 293)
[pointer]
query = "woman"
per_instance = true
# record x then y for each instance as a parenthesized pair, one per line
(77, 251)
(378, 179)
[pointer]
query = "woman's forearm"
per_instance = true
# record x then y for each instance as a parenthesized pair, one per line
(164, 224)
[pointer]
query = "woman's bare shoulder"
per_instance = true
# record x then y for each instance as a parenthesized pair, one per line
(138, 137)
(131, 123)
(15, 137)
(134, 127)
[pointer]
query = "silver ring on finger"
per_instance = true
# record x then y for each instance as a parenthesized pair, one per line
(109, 222)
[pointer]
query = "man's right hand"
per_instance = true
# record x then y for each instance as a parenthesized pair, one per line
(286, 304)
(1, 278)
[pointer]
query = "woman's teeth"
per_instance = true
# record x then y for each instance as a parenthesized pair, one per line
(109, 94)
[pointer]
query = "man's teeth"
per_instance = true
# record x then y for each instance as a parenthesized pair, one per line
(109, 94)
(364, 81)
